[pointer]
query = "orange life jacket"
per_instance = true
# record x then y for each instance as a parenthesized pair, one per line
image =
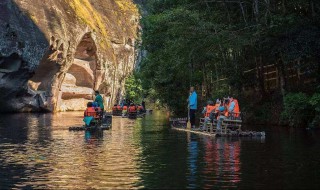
(226, 113)
(236, 108)
(91, 112)
(125, 108)
(210, 108)
(132, 109)
(216, 107)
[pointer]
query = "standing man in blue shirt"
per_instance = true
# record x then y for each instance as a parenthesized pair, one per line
(192, 106)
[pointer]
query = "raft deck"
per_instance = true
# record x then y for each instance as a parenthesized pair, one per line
(229, 127)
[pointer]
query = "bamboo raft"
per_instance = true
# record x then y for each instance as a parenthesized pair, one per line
(104, 123)
(91, 128)
(229, 127)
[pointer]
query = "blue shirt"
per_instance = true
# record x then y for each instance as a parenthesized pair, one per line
(193, 100)
(231, 107)
(221, 108)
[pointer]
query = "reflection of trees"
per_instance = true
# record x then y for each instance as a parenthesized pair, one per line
(163, 162)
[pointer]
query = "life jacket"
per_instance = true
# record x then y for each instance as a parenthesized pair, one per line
(210, 108)
(91, 112)
(125, 108)
(132, 109)
(236, 109)
(216, 107)
(114, 108)
(226, 113)
(140, 108)
(119, 107)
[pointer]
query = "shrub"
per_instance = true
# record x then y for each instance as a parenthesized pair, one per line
(297, 110)
(315, 103)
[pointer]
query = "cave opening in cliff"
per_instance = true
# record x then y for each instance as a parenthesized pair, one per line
(80, 80)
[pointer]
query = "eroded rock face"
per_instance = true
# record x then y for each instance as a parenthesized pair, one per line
(55, 53)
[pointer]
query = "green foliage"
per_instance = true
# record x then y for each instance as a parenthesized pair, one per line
(192, 42)
(315, 103)
(133, 88)
(297, 109)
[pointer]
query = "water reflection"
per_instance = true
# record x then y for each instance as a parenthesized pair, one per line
(38, 151)
(219, 164)
(50, 156)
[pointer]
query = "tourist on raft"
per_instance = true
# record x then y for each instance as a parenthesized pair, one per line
(132, 108)
(91, 113)
(99, 100)
(124, 109)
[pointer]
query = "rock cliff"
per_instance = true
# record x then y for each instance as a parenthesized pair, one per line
(54, 53)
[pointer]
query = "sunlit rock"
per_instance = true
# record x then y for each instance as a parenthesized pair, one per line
(54, 54)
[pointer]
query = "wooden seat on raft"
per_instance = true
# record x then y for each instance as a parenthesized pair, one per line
(132, 115)
(230, 123)
(117, 112)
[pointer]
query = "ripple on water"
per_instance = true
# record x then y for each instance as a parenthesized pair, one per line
(37, 151)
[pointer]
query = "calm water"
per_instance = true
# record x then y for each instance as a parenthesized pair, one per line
(37, 151)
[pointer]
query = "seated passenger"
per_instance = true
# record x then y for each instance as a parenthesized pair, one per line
(114, 108)
(119, 107)
(210, 108)
(233, 108)
(89, 114)
(221, 117)
(124, 110)
(132, 108)
(140, 108)
(92, 111)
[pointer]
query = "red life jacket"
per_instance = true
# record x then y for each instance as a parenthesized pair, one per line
(132, 109)
(209, 109)
(91, 112)
(140, 108)
(119, 107)
(125, 108)
(114, 108)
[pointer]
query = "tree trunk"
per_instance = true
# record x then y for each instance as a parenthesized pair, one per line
(260, 71)
(243, 13)
(256, 10)
(282, 77)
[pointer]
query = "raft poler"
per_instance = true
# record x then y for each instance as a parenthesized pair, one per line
(91, 114)
(99, 100)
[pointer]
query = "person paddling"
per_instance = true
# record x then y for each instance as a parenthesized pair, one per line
(99, 100)
(192, 106)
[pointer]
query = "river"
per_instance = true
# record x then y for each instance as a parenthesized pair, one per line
(38, 151)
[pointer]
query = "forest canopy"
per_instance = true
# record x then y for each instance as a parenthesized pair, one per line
(230, 47)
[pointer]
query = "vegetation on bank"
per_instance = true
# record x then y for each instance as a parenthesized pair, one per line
(264, 52)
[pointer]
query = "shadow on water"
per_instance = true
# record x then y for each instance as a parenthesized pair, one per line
(38, 151)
